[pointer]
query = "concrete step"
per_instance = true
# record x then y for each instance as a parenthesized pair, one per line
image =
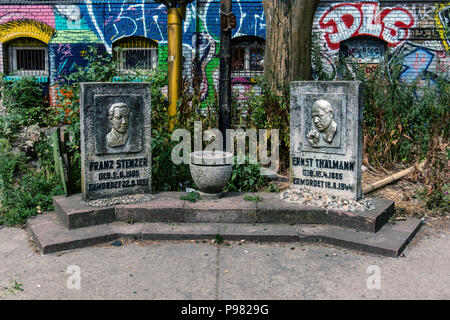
(52, 236)
(232, 208)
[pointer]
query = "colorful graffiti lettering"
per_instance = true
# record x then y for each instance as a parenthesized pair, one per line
(248, 22)
(443, 22)
(416, 63)
(118, 20)
(347, 20)
(421, 62)
(206, 51)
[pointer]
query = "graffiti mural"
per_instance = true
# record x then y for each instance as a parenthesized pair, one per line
(112, 20)
(250, 19)
(43, 13)
(347, 20)
(416, 32)
(25, 28)
(443, 23)
(206, 52)
(417, 62)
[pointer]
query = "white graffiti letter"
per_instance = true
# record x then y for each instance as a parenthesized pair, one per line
(340, 23)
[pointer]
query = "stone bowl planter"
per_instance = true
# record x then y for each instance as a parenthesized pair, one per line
(211, 171)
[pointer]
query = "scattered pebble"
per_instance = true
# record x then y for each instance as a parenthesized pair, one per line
(127, 199)
(307, 197)
(116, 243)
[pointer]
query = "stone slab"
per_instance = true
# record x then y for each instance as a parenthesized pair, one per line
(115, 129)
(390, 241)
(258, 232)
(158, 210)
(51, 236)
(326, 137)
(179, 231)
(73, 213)
(232, 208)
(274, 210)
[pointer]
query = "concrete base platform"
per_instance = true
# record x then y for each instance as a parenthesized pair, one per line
(231, 208)
(52, 236)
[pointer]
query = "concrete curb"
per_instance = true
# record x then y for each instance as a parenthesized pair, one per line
(232, 208)
(51, 236)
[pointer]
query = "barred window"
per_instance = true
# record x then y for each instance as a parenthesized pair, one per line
(247, 56)
(27, 57)
(363, 49)
(137, 53)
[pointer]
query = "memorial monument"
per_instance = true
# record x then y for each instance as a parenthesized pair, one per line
(326, 137)
(115, 139)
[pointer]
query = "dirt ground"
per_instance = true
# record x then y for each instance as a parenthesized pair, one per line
(403, 192)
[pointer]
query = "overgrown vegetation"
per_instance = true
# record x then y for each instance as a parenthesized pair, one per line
(26, 186)
(265, 110)
(246, 177)
(166, 176)
(405, 122)
(253, 198)
(192, 197)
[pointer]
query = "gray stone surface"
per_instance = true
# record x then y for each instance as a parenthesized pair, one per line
(152, 211)
(391, 240)
(231, 208)
(115, 147)
(198, 270)
(211, 170)
(73, 213)
(326, 137)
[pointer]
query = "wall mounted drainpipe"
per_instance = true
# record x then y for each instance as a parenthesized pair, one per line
(227, 22)
(176, 13)
(175, 59)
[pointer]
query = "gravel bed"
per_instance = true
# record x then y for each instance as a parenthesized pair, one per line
(307, 197)
(127, 199)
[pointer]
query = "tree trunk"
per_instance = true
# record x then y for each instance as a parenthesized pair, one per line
(288, 42)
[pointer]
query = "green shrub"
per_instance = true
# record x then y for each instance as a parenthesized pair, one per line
(25, 192)
(166, 176)
(246, 178)
(269, 111)
(405, 122)
(25, 104)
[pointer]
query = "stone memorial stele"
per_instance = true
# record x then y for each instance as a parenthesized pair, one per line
(115, 139)
(326, 137)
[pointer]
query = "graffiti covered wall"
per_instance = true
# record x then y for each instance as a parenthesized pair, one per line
(411, 29)
(102, 22)
(416, 30)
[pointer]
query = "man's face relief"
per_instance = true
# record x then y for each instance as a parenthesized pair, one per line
(120, 120)
(321, 116)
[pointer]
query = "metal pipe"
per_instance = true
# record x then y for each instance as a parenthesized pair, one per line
(225, 69)
(175, 60)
